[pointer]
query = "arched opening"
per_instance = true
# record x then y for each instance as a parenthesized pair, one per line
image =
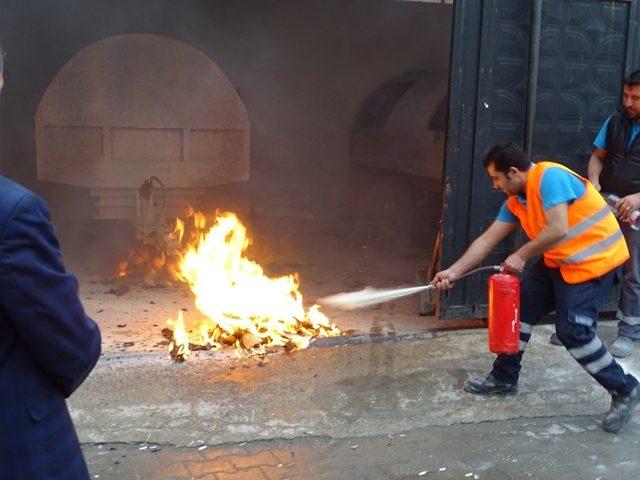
(131, 107)
(398, 142)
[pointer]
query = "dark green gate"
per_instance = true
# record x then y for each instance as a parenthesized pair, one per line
(542, 73)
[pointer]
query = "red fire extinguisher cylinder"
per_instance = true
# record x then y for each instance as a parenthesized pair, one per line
(504, 313)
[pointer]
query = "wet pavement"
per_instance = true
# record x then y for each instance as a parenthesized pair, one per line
(382, 410)
(358, 390)
(556, 448)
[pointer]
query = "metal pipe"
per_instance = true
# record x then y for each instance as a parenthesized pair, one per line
(532, 87)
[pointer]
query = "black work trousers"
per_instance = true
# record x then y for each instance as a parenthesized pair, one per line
(576, 305)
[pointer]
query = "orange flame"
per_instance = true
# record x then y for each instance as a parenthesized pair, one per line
(178, 231)
(158, 260)
(242, 305)
(179, 346)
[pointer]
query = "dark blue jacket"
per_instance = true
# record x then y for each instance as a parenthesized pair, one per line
(48, 345)
(621, 167)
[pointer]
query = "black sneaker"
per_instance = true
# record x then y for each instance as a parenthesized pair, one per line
(621, 411)
(554, 340)
(489, 386)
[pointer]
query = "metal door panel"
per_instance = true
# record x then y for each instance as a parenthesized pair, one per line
(501, 29)
(586, 47)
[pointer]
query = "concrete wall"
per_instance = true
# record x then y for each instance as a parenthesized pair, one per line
(302, 68)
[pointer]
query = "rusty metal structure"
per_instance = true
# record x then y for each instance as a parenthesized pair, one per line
(147, 123)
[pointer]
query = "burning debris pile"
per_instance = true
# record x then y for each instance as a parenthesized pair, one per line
(157, 257)
(239, 304)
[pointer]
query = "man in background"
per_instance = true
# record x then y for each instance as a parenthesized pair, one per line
(48, 345)
(614, 167)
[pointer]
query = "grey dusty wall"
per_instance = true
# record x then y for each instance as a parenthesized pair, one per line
(303, 68)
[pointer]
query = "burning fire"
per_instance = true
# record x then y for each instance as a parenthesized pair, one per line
(179, 346)
(241, 305)
(158, 257)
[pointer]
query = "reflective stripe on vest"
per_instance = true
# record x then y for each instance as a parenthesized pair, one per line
(593, 249)
(585, 224)
(594, 244)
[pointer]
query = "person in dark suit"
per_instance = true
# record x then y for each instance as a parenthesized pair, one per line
(48, 345)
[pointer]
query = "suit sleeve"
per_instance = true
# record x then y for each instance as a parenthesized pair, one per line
(40, 297)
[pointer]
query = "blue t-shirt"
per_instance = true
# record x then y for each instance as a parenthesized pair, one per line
(601, 139)
(556, 186)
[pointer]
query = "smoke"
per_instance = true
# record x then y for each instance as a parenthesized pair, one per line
(303, 71)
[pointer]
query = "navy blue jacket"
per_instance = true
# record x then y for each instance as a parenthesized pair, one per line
(48, 345)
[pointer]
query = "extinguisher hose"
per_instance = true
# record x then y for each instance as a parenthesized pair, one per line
(494, 268)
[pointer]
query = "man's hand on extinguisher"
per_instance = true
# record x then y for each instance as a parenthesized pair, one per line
(444, 279)
(514, 263)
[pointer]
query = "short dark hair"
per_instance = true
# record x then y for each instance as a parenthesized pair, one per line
(633, 79)
(505, 156)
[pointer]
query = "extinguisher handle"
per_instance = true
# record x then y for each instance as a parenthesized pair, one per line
(507, 269)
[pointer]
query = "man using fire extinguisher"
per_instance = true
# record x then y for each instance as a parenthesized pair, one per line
(570, 225)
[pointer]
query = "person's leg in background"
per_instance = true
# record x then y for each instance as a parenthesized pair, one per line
(629, 306)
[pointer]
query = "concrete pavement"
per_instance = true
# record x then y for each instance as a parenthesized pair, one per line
(557, 448)
(351, 390)
(400, 404)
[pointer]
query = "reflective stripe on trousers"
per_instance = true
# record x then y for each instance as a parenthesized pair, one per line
(593, 356)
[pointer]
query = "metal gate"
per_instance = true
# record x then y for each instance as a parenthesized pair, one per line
(542, 73)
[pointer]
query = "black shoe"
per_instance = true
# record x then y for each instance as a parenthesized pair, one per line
(554, 340)
(489, 386)
(621, 411)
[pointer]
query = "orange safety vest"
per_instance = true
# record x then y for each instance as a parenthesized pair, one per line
(594, 244)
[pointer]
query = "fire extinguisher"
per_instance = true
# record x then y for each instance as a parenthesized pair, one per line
(504, 313)
(504, 310)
